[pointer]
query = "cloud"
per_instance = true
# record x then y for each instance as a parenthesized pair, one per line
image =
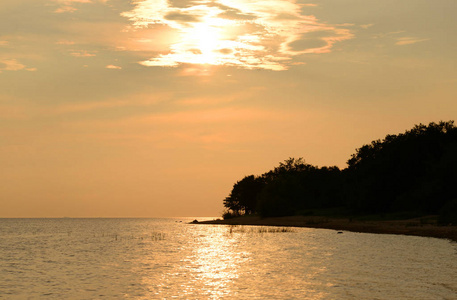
(134, 100)
(68, 6)
(64, 9)
(310, 41)
(202, 127)
(13, 65)
(265, 34)
(73, 1)
(82, 53)
(186, 119)
(400, 41)
(180, 17)
(366, 26)
(209, 116)
(160, 61)
(232, 13)
(409, 41)
(318, 41)
(113, 67)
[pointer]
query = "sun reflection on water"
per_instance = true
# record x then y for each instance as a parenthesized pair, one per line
(208, 267)
(162, 259)
(214, 263)
(265, 34)
(224, 262)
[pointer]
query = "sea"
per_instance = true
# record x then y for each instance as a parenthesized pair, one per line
(169, 258)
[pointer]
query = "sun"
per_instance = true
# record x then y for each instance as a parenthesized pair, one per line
(244, 33)
(207, 40)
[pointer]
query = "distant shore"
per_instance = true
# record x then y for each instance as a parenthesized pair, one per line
(417, 226)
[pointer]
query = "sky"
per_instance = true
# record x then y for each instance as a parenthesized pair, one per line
(155, 108)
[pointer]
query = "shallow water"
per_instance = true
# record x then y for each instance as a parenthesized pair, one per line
(169, 259)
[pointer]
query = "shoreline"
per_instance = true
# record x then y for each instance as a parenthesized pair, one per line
(415, 227)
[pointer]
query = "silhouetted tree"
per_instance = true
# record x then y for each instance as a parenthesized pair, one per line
(243, 197)
(412, 171)
(295, 186)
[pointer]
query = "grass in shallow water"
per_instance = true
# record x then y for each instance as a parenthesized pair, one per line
(258, 229)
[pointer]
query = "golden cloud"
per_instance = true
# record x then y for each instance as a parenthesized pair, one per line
(241, 33)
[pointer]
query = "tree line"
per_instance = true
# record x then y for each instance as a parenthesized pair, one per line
(413, 173)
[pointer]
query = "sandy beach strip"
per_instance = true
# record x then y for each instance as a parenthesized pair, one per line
(415, 226)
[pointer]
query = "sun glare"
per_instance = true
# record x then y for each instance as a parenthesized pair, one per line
(206, 40)
(241, 33)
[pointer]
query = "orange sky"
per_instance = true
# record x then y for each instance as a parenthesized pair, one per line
(154, 108)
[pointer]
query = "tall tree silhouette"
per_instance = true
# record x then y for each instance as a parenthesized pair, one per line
(415, 171)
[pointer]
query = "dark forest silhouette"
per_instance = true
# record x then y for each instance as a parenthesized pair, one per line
(409, 174)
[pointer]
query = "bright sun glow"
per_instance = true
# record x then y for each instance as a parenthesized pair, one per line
(266, 34)
(206, 39)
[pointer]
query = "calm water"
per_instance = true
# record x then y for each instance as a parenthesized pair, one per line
(169, 259)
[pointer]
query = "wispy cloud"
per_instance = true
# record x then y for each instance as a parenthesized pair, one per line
(134, 100)
(13, 65)
(207, 128)
(211, 101)
(400, 40)
(261, 34)
(82, 53)
(409, 41)
(69, 6)
(113, 67)
(68, 2)
(388, 34)
(65, 42)
(366, 26)
(211, 116)
(65, 9)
